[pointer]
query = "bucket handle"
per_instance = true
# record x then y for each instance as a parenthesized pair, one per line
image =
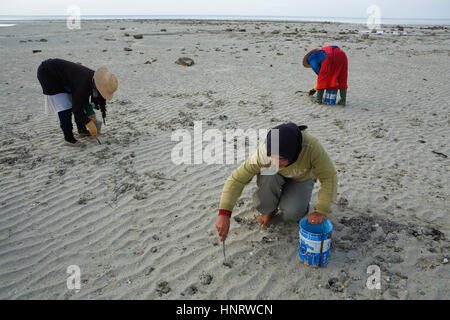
(321, 247)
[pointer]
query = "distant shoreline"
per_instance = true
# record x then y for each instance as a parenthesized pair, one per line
(349, 20)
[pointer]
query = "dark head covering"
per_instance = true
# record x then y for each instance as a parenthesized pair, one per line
(290, 136)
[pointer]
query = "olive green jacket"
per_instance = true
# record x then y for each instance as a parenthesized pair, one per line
(312, 163)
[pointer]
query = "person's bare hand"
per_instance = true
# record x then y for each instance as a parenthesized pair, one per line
(223, 226)
(316, 218)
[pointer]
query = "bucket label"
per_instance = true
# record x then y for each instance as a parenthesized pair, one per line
(314, 246)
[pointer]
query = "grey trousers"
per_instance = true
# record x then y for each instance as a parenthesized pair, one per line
(290, 196)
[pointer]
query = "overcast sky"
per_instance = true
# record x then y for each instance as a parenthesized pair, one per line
(436, 9)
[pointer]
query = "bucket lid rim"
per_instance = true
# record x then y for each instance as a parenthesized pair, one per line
(327, 226)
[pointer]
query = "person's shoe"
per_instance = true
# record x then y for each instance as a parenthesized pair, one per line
(315, 100)
(318, 99)
(77, 144)
(84, 134)
(343, 100)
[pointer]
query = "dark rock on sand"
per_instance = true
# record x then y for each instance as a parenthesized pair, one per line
(440, 154)
(149, 270)
(335, 285)
(138, 36)
(238, 219)
(435, 234)
(191, 290)
(163, 288)
(184, 61)
(342, 203)
(432, 233)
(141, 196)
(36, 51)
(127, 49)
(206, 278)
(85, 198)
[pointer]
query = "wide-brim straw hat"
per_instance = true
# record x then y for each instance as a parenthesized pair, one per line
(305, 59)
(105, 82)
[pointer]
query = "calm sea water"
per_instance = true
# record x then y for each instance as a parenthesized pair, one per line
(242, 18)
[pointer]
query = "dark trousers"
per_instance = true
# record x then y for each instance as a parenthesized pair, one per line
(65, 121)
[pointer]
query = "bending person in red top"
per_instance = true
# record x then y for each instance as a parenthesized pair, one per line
(331, 65)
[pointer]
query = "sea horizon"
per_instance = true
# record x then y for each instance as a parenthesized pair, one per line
(355, 20)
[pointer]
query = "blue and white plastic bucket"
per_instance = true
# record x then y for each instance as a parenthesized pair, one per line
(315, 242)
(330, 97)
